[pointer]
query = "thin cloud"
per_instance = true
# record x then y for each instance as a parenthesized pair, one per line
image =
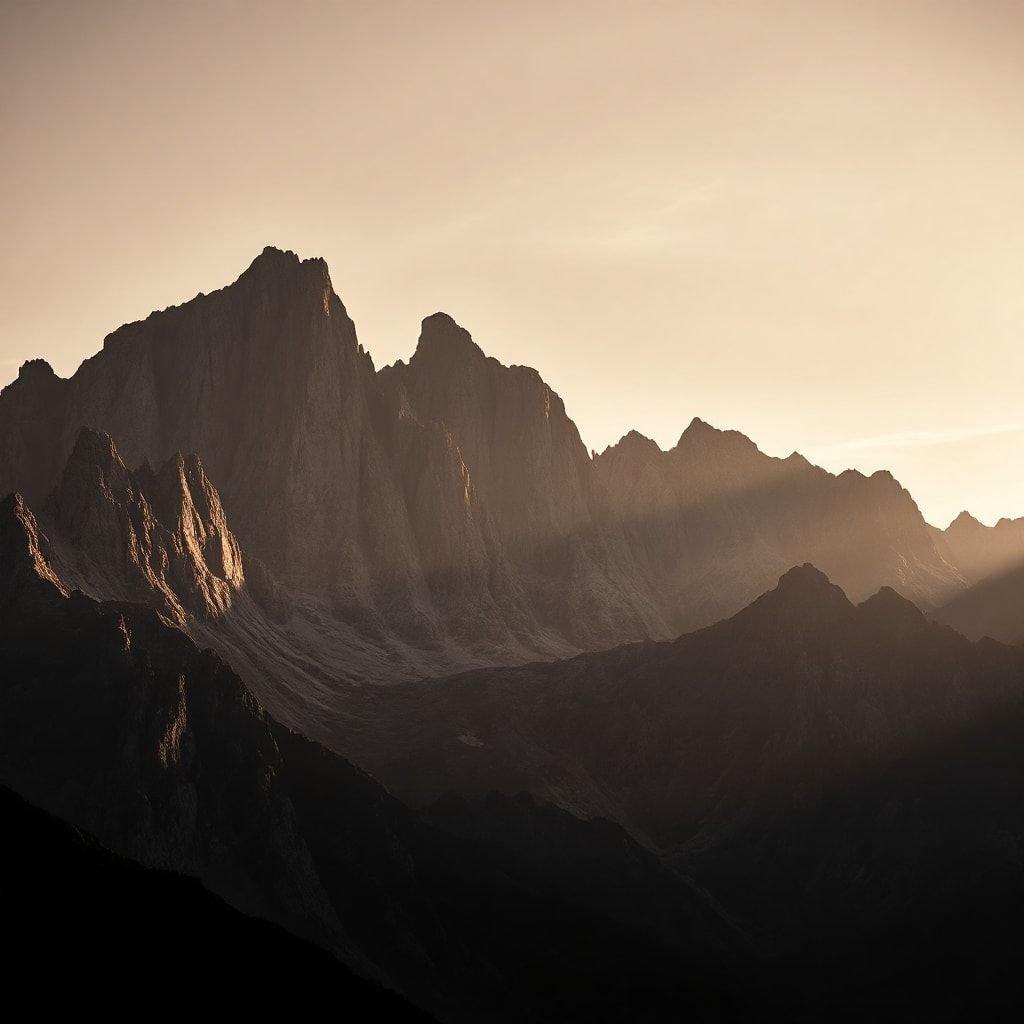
(918, 438)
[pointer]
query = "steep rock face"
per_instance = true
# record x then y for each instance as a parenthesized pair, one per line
(32, 413)
(157, 537)
(533, 479)
(29, 579)
(527, 459)
(266, 381)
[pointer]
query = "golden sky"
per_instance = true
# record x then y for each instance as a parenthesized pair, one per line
(802, 220)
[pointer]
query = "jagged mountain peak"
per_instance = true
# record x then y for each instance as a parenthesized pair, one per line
(890, 607)
(803, 594)
(276, 262)
(158, 536)
(964, 521)
(444, 344)
(1005, 521)
(701, 434)
(634, 443)
(93, 468)
(805, 578)
(35, 370)
(276, 283)
(95, 448)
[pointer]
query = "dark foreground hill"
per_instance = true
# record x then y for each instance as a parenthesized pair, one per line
(847, 780)
(90, 933)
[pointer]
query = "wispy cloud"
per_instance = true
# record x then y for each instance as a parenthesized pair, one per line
(916, 439)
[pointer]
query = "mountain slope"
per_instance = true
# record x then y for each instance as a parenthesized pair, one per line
(112, 719)
(993, 607)
(111, 933)
(845, 779)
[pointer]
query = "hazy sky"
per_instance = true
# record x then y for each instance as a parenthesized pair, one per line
(801, 220)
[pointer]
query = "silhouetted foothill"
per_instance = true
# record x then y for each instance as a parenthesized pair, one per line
(89, 915)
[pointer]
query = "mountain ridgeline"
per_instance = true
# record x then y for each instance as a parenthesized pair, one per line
(692, 744)
(443, 513)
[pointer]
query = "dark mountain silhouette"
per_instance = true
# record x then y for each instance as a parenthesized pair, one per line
(846, 779)
(444, 513)
(679, 741)
(113, 720)
(110, 933)
(898, 895)
(993, 607)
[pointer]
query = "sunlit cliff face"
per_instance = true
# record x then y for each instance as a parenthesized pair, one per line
(799, 220)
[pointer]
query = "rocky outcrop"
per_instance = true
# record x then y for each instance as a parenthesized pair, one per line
(158, 537)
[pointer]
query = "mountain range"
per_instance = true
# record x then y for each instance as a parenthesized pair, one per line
(382, 672)
(443, 513)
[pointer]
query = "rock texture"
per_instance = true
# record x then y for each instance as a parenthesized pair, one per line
(156, 537)
(444, 513)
